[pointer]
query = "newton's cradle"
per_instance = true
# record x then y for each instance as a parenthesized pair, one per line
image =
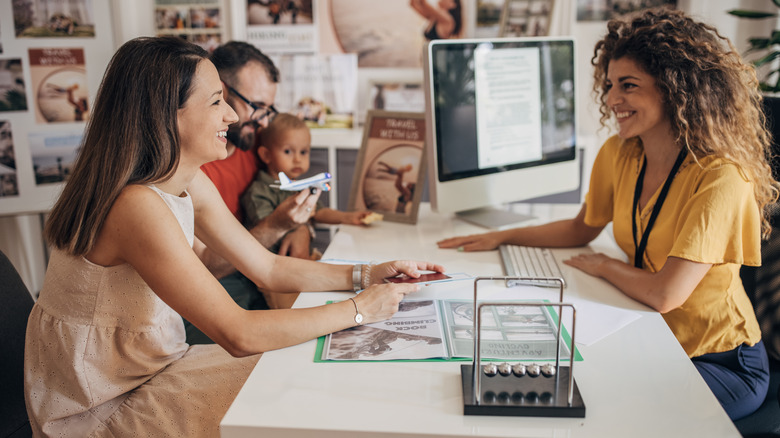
(527, 390)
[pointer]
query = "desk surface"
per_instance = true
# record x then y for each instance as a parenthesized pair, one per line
(636, 382)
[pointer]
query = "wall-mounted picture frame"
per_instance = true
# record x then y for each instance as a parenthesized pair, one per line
(396, 96)
(390, 168)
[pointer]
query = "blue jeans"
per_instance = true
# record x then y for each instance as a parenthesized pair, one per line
(739, 378)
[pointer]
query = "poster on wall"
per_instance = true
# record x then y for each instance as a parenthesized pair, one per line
(526, 18)
(12, 95)
(396, 96)
(59, 83)
(53, 155)
(488, 18)
(390, 167)
(321, 90)
(390, 33)
(604, 10)
(281, 26)
(197, 21)
(8, 183)
(53, 18)
(54, 55)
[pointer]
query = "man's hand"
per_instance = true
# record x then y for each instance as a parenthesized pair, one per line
(296, 243)
(291, 213)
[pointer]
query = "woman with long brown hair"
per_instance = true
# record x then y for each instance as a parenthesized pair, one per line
(105, 351)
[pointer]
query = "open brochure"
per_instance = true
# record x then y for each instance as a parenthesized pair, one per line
(444, 330)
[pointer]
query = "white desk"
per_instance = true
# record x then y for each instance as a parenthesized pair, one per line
(636, 382)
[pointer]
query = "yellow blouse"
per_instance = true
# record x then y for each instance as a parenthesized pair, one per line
(710, 216)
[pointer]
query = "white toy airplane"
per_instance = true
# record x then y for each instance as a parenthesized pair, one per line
(319, 181)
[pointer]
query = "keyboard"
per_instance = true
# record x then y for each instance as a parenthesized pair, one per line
(527, 261)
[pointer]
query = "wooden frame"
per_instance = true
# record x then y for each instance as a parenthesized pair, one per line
(390, 167)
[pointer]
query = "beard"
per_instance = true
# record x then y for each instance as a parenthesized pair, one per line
(245, 141)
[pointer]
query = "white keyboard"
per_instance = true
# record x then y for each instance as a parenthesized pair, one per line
(527, 261)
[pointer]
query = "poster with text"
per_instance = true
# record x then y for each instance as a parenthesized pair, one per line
(59, 80)
(281, 26)
(53, 18)
(390, 168)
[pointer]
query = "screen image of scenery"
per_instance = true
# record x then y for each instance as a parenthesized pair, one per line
(526, 88)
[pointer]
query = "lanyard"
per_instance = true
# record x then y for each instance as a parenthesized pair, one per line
(640, 248)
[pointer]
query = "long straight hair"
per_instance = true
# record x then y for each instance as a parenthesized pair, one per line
(132, 137)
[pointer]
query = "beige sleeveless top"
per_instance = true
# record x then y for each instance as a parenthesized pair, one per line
(95, 334)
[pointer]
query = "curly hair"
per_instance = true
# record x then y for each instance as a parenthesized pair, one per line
(711, 96)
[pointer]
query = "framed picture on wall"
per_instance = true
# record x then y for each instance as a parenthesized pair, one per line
(390, 168)
(396, 96)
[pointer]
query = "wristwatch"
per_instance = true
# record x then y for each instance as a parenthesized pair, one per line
(358, 315)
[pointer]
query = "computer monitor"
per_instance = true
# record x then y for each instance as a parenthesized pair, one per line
(500, 117)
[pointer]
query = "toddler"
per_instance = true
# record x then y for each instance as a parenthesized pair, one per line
(284, 146)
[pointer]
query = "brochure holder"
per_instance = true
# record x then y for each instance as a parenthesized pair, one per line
(520, 389)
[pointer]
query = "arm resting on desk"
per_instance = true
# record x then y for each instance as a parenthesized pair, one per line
(559, 234)
(664, 290)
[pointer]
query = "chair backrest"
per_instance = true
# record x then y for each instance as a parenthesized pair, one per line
(762, 285)
(14, 311)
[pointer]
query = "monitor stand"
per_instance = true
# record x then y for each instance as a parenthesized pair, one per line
(493, 218)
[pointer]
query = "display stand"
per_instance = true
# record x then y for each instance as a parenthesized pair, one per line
(493, 218)
(521, 389)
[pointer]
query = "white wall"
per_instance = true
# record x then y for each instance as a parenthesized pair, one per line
(20, 236)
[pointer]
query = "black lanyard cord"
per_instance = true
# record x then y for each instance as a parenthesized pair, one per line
(640, 248)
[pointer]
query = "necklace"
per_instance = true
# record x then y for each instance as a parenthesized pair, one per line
(640, 248)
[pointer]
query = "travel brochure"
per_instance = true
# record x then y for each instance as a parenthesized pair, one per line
(444, 330)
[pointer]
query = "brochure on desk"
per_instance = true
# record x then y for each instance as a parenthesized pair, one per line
(444, 330)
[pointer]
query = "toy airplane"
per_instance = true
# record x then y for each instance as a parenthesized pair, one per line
(317, 181)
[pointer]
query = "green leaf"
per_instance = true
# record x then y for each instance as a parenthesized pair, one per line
(776, 2)
(742, 13)
(766, 59)
(758, 44)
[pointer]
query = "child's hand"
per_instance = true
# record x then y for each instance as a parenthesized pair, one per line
(355, 217)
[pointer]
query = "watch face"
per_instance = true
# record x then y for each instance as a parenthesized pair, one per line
(358, 318)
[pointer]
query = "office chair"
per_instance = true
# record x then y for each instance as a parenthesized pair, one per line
(17, 304)
(762, 285)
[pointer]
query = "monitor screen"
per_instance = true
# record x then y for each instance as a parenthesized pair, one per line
(501, 120)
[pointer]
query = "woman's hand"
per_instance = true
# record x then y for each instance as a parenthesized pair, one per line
(589, 263)
(378, 273)
(474, 242)
(380, 301)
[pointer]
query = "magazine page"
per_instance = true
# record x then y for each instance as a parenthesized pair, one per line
(508, 332)
(415, 332)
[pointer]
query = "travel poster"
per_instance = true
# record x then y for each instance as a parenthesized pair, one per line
(59, 79)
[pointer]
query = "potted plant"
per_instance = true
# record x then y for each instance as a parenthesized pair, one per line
(771, 45)
(770, 82)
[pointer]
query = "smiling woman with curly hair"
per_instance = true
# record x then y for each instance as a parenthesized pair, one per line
(687, 186)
